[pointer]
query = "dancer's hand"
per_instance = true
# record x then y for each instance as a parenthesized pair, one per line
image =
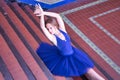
(38, 10)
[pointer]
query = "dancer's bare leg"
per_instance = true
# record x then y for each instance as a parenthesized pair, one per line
(92, 75)
(59, 78)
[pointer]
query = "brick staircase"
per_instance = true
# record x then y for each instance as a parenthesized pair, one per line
(20, 36)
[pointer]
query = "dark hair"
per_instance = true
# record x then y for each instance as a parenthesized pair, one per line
(51, 20)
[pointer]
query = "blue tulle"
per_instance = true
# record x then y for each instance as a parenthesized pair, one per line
(75, 64)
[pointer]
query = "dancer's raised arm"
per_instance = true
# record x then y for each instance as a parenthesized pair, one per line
(60, 22)
(39, 12)
(59, 19)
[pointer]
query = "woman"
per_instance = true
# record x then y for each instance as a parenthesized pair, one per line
(61, 58)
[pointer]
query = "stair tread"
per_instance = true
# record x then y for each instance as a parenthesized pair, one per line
(23, 51)
(11, 61)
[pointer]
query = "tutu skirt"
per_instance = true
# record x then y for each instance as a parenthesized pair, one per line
(76, 64)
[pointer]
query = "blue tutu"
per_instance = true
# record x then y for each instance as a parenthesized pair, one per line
(64, 59)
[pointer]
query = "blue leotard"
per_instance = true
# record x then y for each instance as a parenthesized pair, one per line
(64, 59)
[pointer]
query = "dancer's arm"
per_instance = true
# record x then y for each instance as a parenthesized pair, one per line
(52, 14)
(39, 12)
(59, 19)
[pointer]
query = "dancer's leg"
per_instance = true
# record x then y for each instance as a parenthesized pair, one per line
(92, 75)
(59, 78)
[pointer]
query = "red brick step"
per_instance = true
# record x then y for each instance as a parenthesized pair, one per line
(1, 76)
(23, 51)
(11, 62)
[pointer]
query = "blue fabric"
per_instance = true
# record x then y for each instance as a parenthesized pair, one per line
(64, 45)
(64, 64)
(44, 5)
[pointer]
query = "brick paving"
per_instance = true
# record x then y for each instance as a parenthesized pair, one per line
(93, 25)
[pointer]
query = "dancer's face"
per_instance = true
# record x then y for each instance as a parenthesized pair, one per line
(51, 28)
